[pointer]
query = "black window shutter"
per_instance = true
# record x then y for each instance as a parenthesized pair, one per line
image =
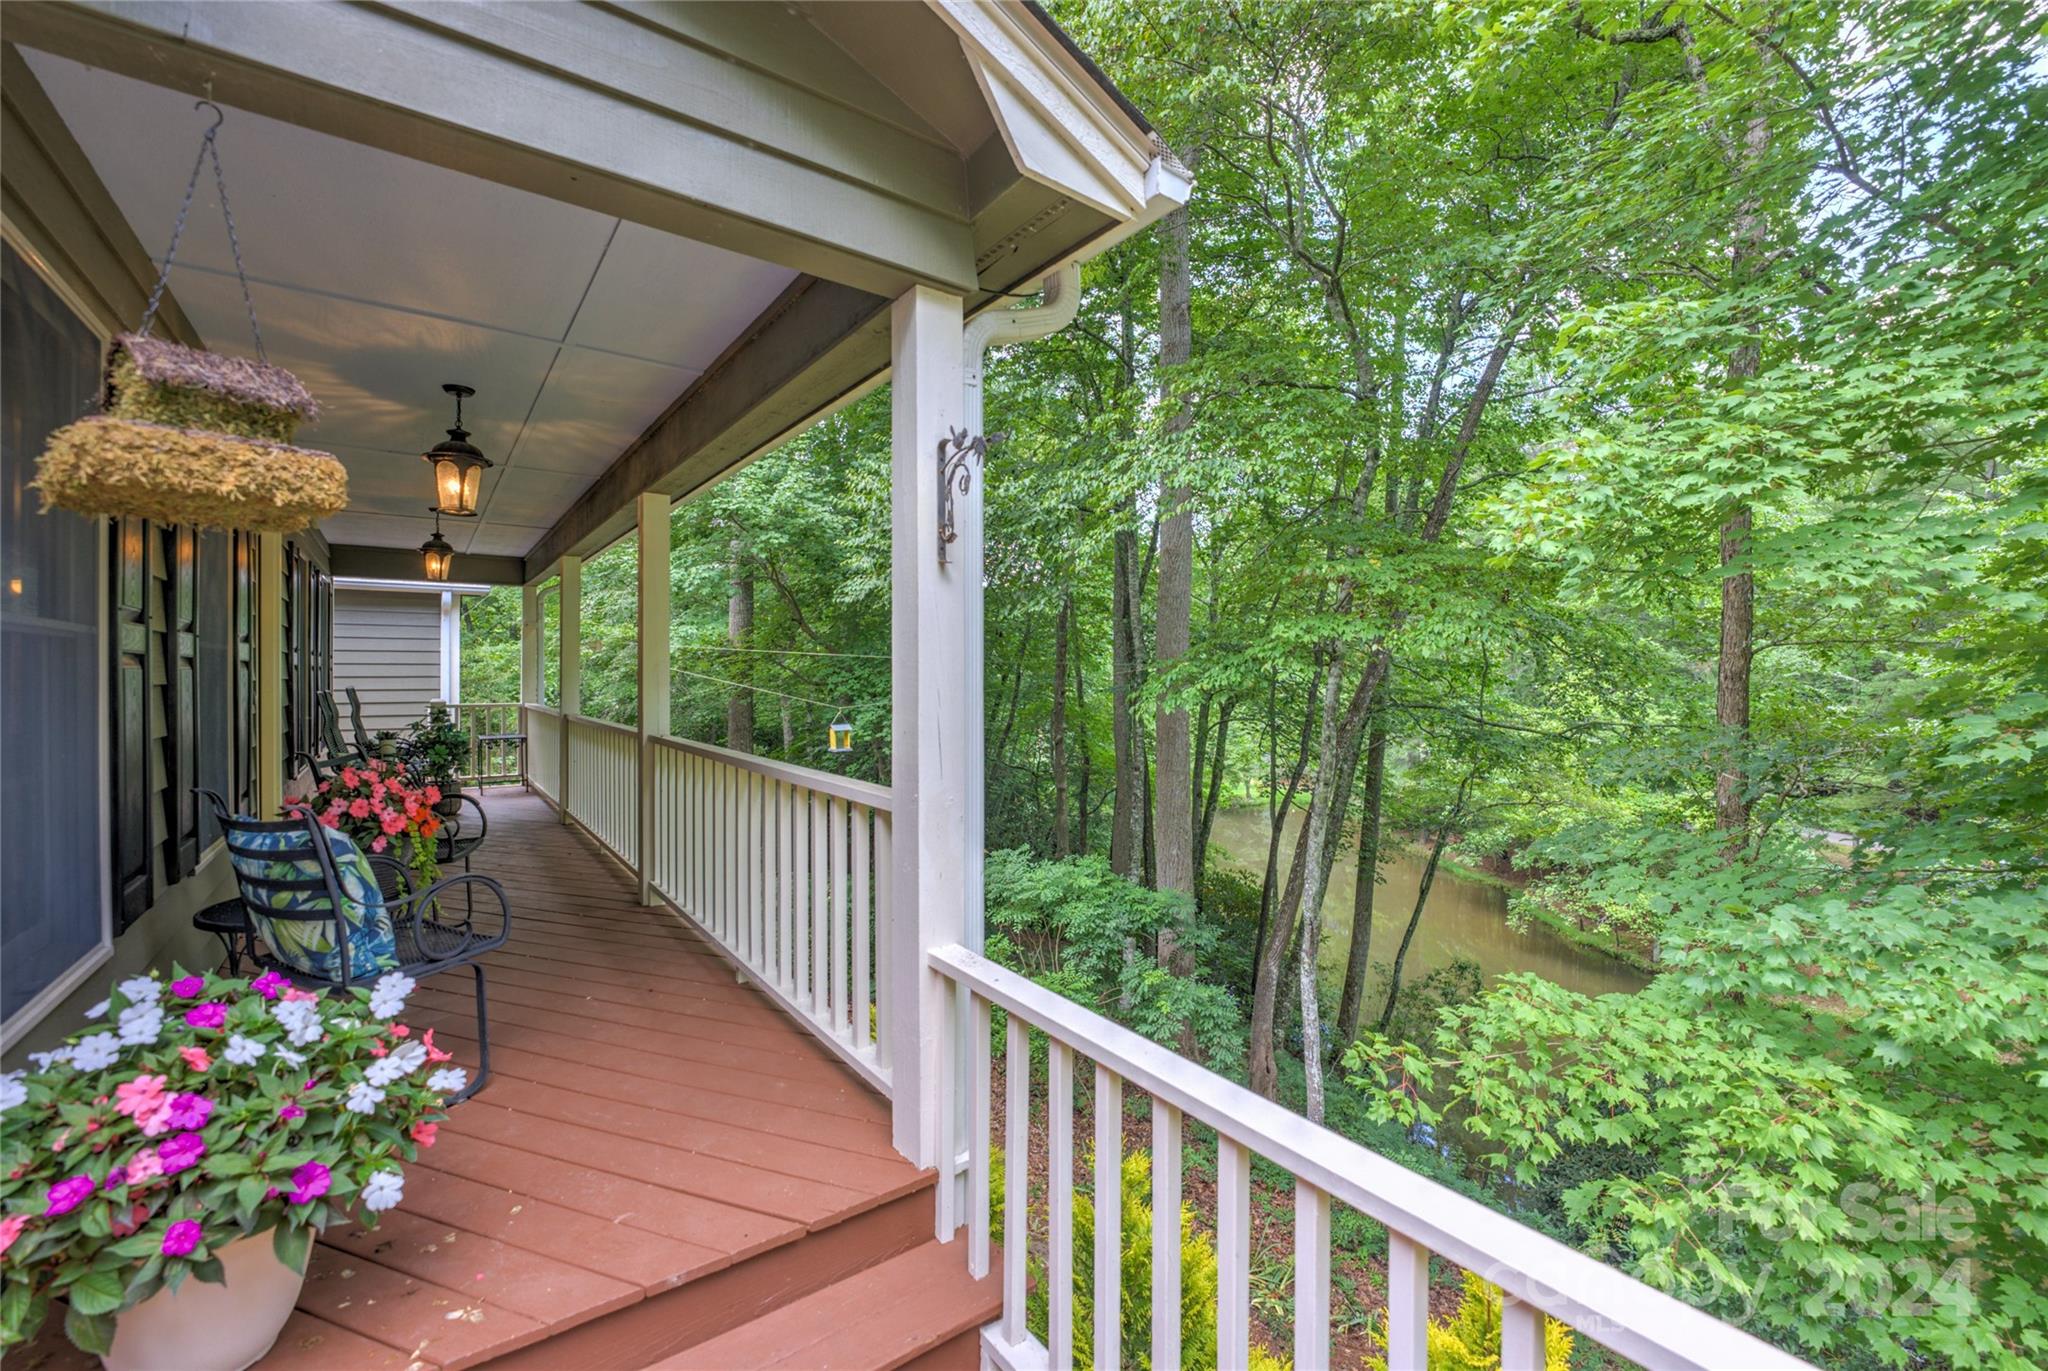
(130, 581)
(181, 708)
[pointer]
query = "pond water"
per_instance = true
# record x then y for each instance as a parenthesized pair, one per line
(1463, 918)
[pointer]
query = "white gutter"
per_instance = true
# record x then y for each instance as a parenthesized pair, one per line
(1060, 301)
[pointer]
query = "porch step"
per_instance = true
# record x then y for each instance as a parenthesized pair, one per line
(920, 1307)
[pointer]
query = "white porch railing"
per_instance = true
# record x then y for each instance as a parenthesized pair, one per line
(544, 750)
(489, 762)
(787, 869)
(604, 784)
(1537, 1275)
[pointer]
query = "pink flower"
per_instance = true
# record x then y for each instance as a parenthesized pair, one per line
(309, 1183)
(117, 1177)
(190, 1111)
(196, 1058)
(379, 843)
(291, 1110)
(349, 777)
(268, 984)
(144, 1166)
(142, 1100)
(399, 1030)
(66, 1196)
(181, 1153)
(359, 808)
(423, 1133)
(433, 794)
(181, 1237)
(378, 1049)
(10, 1229)
(189, 987)
(212, 1014)
(435, 1054)
(394, 823)
(294, 993)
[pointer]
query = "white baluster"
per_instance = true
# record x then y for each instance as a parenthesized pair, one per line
(1059, 1187)
(863, 979)
(1166, 1140)
(1521, 1335)
(978, 1141)
(885, 917)
(1407, 1304)
(821, 913)
(1109, 1209)
(1311, 1276)
(1016, 1175)
(841, 919)
(1233, 1255)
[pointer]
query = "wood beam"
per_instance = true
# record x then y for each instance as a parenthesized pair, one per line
(403, 564)
(578, 103)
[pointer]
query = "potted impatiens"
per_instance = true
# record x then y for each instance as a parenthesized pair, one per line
(385, 809)
(436, 750)
(164, 1172)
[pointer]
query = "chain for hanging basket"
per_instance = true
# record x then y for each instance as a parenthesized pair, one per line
(190, 436)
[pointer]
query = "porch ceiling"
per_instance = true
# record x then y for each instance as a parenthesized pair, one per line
(378, 277)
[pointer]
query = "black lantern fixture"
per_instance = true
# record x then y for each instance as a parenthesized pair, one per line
(440, 554)
(458, 467)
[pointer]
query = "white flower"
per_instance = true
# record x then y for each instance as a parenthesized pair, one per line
(448, 1080)
(140, 1024)
(289, 1057)
(383, 1191)
(45, 1060)
(300, 1019)
(242, 1051)
(387, 997)
(140, 989)
(98, 1011)
(96, 1053)
(12, 1090)
(363, 1098)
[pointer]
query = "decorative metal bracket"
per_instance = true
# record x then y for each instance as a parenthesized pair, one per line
(956, 474)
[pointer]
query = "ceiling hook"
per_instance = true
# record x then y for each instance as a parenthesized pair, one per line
(218, 117)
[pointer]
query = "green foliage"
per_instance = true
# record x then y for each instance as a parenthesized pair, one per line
(436, 750)
(1469, 1339)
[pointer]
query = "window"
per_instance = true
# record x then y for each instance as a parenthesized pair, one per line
(53, 871)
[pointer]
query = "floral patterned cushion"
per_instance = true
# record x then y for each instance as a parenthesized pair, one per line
(308, 945)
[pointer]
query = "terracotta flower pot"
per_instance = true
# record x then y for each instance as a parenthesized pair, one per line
(205, 1327)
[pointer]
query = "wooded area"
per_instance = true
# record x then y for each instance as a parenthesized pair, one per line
(1604, 444)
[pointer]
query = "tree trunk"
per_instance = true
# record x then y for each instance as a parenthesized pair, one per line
(1081, 807)
(788, 733)
(1359, 961)
(1127, 820)
(1436, 852)
(1206, 824)
(1278, 807)
(1060, 848)
(1174, 784)
(739, 630)
(1317, 832)
(1731, 682)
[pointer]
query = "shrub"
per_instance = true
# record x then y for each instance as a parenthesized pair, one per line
(1469, 1340)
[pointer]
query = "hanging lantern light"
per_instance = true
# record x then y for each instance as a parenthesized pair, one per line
(439, 553)
(458, 467)
(839, 737)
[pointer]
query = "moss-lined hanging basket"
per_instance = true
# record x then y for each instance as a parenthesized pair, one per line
(193, 437)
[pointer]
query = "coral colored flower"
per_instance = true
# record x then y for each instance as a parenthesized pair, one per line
(394, 824)
(10, 1229)
(67, 1195)
(190, 1111)
(189, 987)
(181, 1237)
(140, 1097)
(349, 777)
(293, 994)
(196, 1058)
(435, 1054)
(423, 1133)
(212, 1014)
(291, 1110)
(399, 1030)
(309, 1183)
(268, 984)
(181, 1153)
(359, 808)
(379, 843)
(433, 793)
(144, 1166)
(378, 1049)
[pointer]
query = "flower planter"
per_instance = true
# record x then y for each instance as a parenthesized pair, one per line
(448, 805)
(204, 1327)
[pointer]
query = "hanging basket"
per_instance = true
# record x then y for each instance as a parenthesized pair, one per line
(194, 437)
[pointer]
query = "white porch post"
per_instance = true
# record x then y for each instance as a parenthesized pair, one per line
(652, 546)
(930, 765)
(569, 670)
(532, 685)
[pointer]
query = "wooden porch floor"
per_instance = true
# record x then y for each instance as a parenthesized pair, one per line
(649, 1124)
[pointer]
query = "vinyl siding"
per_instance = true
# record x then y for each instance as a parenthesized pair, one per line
(387, 644)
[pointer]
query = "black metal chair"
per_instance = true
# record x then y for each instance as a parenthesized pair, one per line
(287, 875)
(339, 753)
(366, 746)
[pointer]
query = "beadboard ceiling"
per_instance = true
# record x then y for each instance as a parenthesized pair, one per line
(377, 278)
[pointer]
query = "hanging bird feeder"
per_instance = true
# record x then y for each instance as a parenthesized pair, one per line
(839, 737)
(194, 437)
